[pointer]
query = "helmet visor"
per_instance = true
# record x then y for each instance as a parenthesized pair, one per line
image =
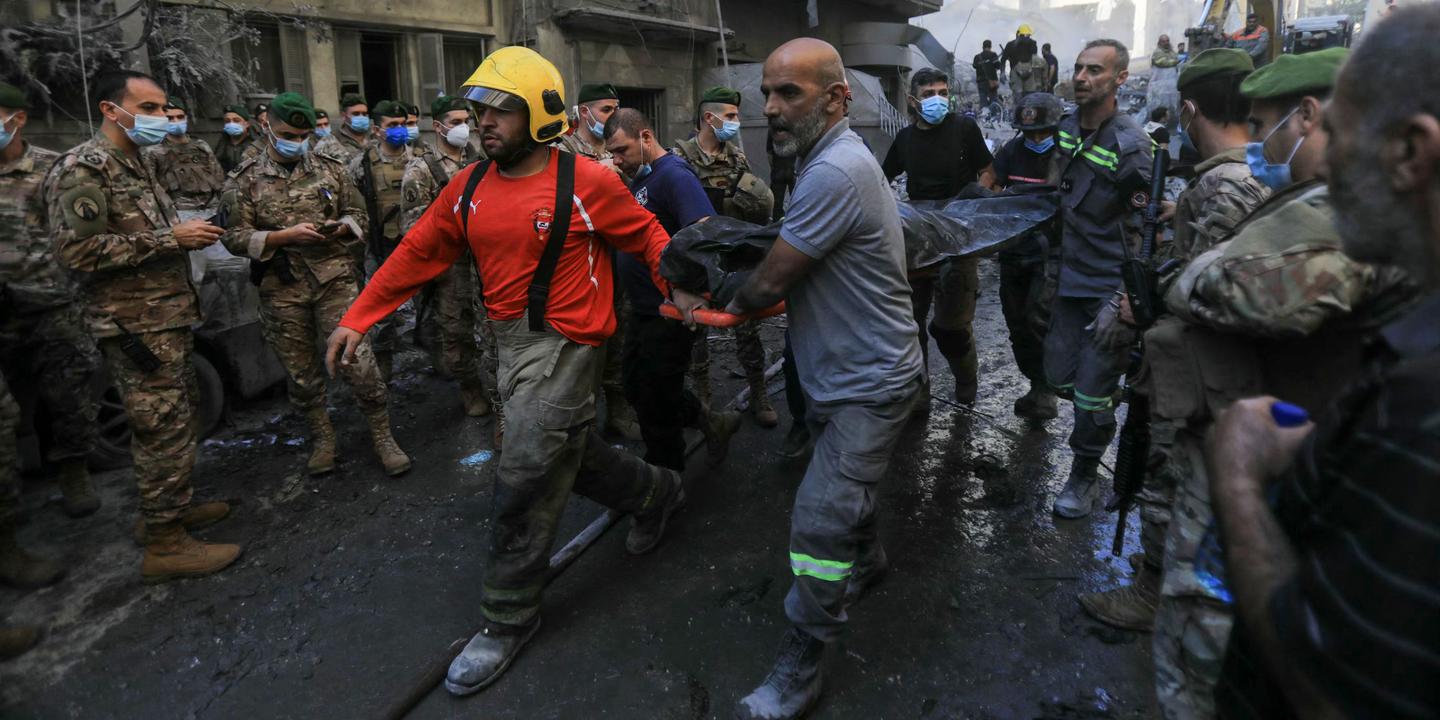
(494, 98)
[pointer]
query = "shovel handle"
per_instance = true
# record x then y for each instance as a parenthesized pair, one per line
(720, 318)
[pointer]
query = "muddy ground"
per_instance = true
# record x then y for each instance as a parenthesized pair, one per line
(352, 583)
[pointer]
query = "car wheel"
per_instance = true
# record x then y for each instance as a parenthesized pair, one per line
(212, 397)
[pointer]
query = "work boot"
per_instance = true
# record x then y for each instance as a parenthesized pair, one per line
(718, 428)
(650, 523)
(322, 442)
(21, 569)
(867, 574)
(475, 398)
(17, 640)
(486, 657)
(394, 459)
(77, 492)
(1131, 607)
(798, 444)
(1038, 404)
(194, 517)
(1081, 491)
(760, 407)
(171, 554)
(620, 419)
(793, 685)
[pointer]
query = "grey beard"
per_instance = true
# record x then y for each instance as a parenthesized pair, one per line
(803, 135)
(1374, 227)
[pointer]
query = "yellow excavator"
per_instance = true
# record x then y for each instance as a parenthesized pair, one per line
(1211, 31)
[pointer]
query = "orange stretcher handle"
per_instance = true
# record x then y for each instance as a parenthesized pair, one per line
(720, 318)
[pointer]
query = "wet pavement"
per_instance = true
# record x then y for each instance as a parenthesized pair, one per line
(353, 583)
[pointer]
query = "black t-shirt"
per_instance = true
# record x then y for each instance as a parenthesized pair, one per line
(938, 160)
(1054, 64)
(1016, 164)
(1020, 50)
(987, 65)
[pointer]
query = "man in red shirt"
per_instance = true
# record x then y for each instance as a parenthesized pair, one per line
(548, 331)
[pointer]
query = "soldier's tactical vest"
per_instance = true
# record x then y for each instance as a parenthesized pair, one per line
(188, 178)
(732, 189)
(388, 194)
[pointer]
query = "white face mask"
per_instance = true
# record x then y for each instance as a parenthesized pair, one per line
(458, 136)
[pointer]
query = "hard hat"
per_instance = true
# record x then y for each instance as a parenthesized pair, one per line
(1025, 30)
(515, 78)
(1038, 111)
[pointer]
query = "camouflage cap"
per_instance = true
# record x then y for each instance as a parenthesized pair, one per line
(175, 103)
(1290, 75)
(388, 108)
(1215, 62)
(240, 110)
(597, 91)
(720, 94)
(293, 110)
(445, 104)
(352, 100)
(13, 97)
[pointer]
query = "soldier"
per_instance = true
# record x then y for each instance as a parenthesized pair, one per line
(715, 155)
(1214, 115)
(186, 167)
(298, 214)
(1025, 286)
(237, 138)
(353, 137)
(117, 231)
(454, 292)
(412, 128)
(43, 343)
(322, 126)
(1105, 162)
(378, 172)
(594, 105)
(1278, 308)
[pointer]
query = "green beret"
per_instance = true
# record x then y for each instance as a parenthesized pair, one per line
(1214, 62)
(597, 91)
(12, 97)
(293, 110)
(240, 110)
(411, 109)
(321, 114)
(352, 100)
(175, 103)
(1290, 75)
(445, 104)
(388, 108)
(720, 94)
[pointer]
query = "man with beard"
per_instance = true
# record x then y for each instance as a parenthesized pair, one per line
(545, 267)
(840, 254)
(1335, 583)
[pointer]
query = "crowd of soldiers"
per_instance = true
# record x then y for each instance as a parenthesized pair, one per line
(1264, 284)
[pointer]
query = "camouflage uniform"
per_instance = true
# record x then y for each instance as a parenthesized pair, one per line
(734, 192)
(43, 341)
(230, 154)
(572, 142)
(457, 304)
(111, 223)
(389, 175)
(9, 454)
(188, 171)
(341, 146)
(307, 288)
(1275, 309)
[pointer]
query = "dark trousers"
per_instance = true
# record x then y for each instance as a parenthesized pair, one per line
(1084, 372)
(794, 395)
(1027, 316)
(654, 362)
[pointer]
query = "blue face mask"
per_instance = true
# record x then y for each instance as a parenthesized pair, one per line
(1273, 175)
(412, 132)
(178, 128)
(727, 131)
(5, 135)
(148, 129)
(234, 129)
(397, 136)
(934, 109)
(322, 133)
(596, 128)
(289, 149)
(360, 123)
(1042, 147)
(644, 170)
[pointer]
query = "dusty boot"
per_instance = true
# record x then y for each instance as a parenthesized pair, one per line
(322, 442)
(620, 419)
(650, 524)
(21, 569)
(760, 407)
(1131, 607)
(486, 657)
(194, 517)
(1081, 491)
(718, 428)
(78, 492)
(17, 640)
(868, 573)
(171, 554)
(1037, 404)
(475, 398)
(798, 444)
(793, 685)
(394, 459)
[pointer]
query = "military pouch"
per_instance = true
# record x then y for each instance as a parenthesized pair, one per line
(1176, 389)
(135, 349)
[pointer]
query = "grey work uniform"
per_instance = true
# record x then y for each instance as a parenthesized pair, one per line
(857, 350)
(1103, 179)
